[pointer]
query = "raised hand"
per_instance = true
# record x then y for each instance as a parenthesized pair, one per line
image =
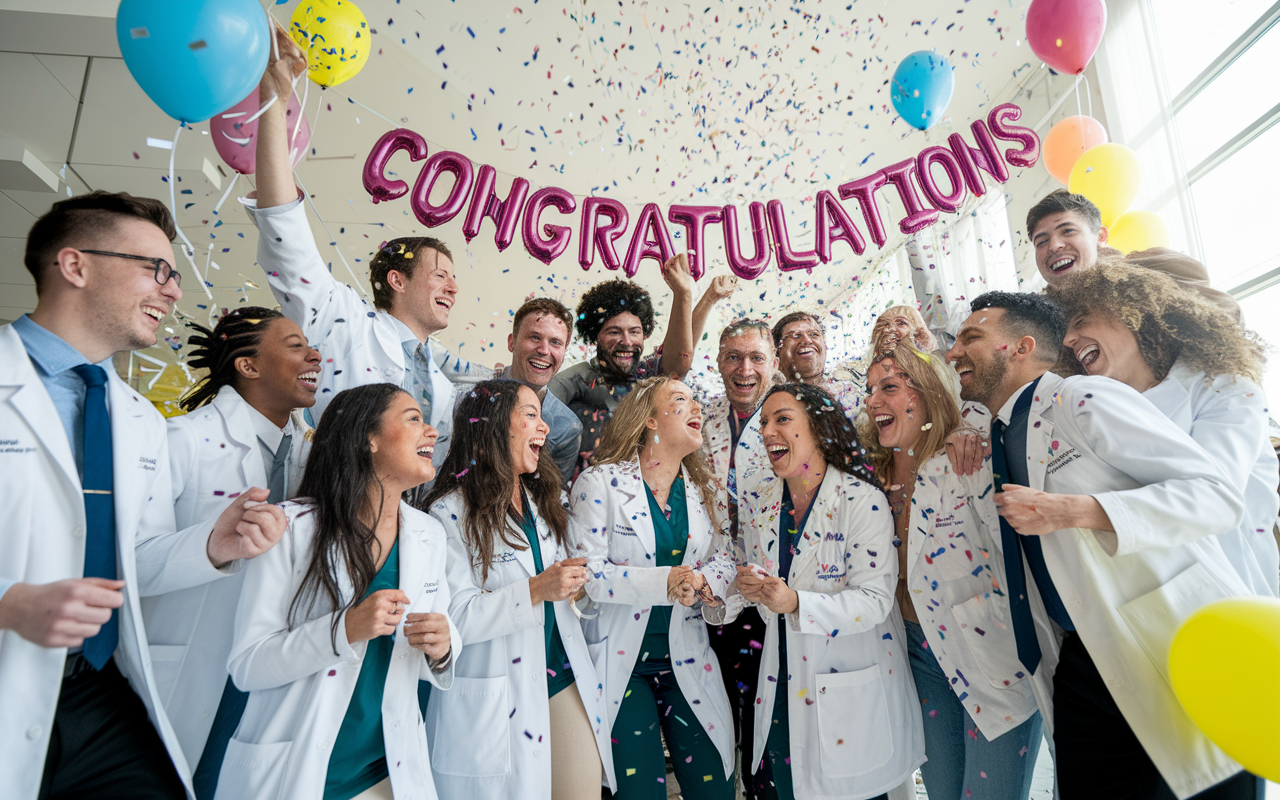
(428, 633)
(246, 529)
(560, 581)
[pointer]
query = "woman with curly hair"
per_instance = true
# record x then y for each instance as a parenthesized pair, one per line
(981, 734)
(242, 429)
(841, 718)
(642, 514)
(526, 690)
(1198, 365)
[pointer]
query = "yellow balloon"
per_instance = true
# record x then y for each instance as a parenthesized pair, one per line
(335, 36)
(1138, 230)
(1109, 175)
(165, 390)
(1223, 665)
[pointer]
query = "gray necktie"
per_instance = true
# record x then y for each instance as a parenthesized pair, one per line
(276, 477)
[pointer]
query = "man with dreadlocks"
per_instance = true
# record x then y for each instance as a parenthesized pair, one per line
(617, 316)
(412, 277)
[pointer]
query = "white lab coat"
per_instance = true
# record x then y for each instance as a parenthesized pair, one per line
(609, 523)
(956, 581)
(853, 712)
(1227, 416)
(214, 457)
(490, 734)
(1128, 592)
(750, 460)
(299, 689)
(359, 344)
(44, 542)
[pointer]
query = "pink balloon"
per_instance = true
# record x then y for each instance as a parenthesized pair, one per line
(985, 156)
(650, 239)
(788, 259)
(695, 219)
(746, 268)
(918, 217)
(999, 120)
(1066, 33)
(547, 249)
(951, 165)
(379, 187)
(833, 225)
(485, 203)
(593, 236)
(444, 161)
(237, 140)
(864, 190)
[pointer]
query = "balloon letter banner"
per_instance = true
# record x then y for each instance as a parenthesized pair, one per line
(603, 221)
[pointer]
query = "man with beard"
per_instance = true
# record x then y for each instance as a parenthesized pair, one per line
(735, 450)
(618, 316)
(802, 358)
(1109, 515)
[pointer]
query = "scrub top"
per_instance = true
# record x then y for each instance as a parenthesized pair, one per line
(670, 536)
(789, 533)
(359, 757)
(559, 672)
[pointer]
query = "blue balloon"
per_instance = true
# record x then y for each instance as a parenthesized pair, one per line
(922, 87)
(194, 58)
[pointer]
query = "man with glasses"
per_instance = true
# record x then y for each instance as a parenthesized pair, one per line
(802, 358)
(89, 520)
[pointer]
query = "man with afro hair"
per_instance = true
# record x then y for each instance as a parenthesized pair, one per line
(617, 315)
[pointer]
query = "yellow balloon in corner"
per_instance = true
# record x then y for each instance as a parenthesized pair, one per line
(1223, 665)
(1138, 230)
(335, 36)
(1109, 175)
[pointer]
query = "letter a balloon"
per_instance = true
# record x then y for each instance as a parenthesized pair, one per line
(1066, 33)
(1109, 175)
(1223, 666)
(335, 36)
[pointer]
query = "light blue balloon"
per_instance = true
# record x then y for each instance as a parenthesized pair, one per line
(922, 87)
(194, 58)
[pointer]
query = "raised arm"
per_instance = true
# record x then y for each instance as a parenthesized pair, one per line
(678, 345)
(274, 170)
(722, 286)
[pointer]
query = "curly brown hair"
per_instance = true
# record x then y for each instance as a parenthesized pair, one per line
(837, 440)
(1171, 322)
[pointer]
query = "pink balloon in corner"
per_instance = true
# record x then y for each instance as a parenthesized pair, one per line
(1066, 33)
(237, 140)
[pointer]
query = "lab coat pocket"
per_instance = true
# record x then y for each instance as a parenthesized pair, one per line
(853, 722)
(253, 770)
(1155, 617)
(987, 631)
(472, 732)
(166, 663)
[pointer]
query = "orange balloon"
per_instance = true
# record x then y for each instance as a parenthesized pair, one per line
(1067, 141)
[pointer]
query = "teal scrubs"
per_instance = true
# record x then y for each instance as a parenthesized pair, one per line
(359, 757)
(559, 672)
(653, 698)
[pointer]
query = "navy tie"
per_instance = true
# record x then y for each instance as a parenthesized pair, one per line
(1024, 629)
(99, 505)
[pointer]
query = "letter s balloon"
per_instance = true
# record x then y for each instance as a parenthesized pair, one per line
(1000, 129)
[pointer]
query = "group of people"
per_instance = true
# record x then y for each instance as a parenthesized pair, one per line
(535, 583)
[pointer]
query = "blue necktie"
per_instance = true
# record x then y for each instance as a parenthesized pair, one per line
(99, 505)
(1024, 629)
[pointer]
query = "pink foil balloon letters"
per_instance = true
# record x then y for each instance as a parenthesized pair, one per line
(918, 218)
(504, 213)
(650, 239)
(547, 249)
(864, 190)
(833, 225)
(444, 161)
(376, 183)
(695, 220)
(593, 236)
(953, 200)
(788, 259)
(1030, 152)
(746, 268)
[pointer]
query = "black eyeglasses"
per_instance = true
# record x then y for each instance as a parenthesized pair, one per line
(164, 270)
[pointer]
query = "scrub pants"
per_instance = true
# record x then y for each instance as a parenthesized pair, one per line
(963, 764)
(653, 699)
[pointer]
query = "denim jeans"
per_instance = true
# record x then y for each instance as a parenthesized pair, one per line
(963, 764)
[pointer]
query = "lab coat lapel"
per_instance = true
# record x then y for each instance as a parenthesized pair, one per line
(28, 395)
(130, 461)
(635, 506)
(807, 543)
(241, 430)
(1040, 442)
(301, 450)
(524, 556)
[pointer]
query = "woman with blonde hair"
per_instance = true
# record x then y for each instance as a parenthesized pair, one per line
(981, 726)
(1194, 361)
(901, 325)
(641, 514)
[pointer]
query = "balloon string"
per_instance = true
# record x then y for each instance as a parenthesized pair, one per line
(262, 110)
(332, 240)
(234, 179)
(1087, 92)
(188, 250)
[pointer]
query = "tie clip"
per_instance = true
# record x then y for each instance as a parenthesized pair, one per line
(97, 491)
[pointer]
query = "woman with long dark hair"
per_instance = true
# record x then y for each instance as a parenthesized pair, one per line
(243, 429)
(323, 645)
(642, 515)
(525, 719)
(841, 716)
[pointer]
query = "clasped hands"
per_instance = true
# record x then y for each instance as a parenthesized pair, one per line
(686, 586)
(756, 585)
(379, 614)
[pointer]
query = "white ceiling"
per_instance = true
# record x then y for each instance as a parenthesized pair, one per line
(712, 102)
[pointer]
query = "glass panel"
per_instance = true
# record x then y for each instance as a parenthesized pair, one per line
(1192, 34)
(1242, 93)
(1235, 206)
(1260, 315)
